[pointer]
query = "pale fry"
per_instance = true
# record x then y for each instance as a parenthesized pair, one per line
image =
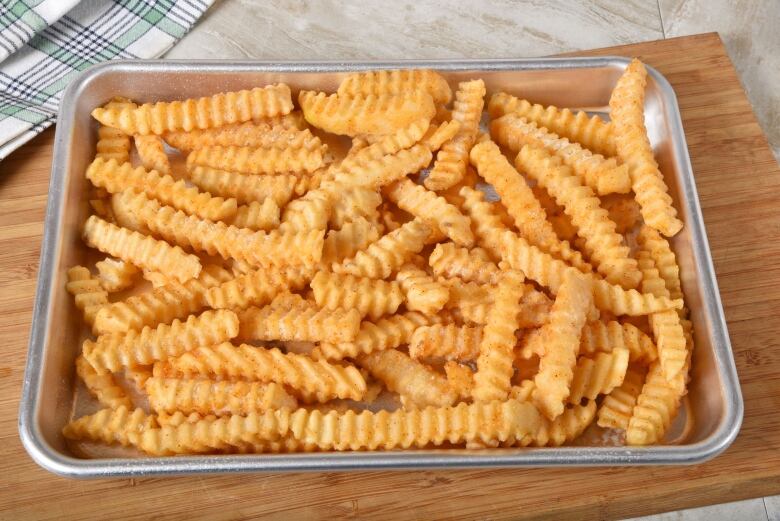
(88, 293)
(102, 386)
(112, 143)
(616, 409)
(116, 275)
(598, 375)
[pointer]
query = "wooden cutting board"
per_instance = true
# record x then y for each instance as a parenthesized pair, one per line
(739, 184)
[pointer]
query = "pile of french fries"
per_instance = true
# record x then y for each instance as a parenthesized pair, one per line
(298, 299)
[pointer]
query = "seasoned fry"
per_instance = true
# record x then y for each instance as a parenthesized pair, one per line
(451, 161)
(438, 135)
(113, 351)
(605, 337)
(388, 254)
(250, 134)
(345, 243)
(450, 342)
(161, 306)
(246, 189)
(371, 114)
(322, 379)
(249, 160)
(209, 112)
(422, 293)
(663, 257)
(598, 375)
(102, 386)
(604, 245)
(408, 377)
(370, 297)
(494, 364)
(380, 146)
(310, 212)
(255, 247)
(110, 426)
(387, 333)
(519, 200)
(115, 275)
(116, 178)
(448, 260)
(258, 216)
(616, 409)
(89, 294)
(143, 251)
(633, 146)
(151, 151)
(603, 176)
(353, 203)
(222, 398)
(397, 82)
(257, 287)
(562, 341)
(300, 321)
(112, 143)
(375, 173)
(591, 132)
(434, 210)
(485, 422)
(623, 211)
(656, 406)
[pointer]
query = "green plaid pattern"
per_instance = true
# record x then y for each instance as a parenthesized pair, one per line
(44, 44)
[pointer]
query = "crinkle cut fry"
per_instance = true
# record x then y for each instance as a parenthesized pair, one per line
(102, 386)
(319, 378)
(484, 422)
(562, 340)
(215, 237)
(299, 321)
(598, 375)
(258, 216)
(371, 114)
(117, 178)
(115, 275)
(151, 152)
(446, 341)
(656, 407)
(616, 408)
(591, 131)
(113, 143)
(633, 147)
(433, 209)
(448, 260)
(521, 204)
(375, 173)
(256, 161)
(387, 254)
(257, 288)
(141, 250)
(421, 292)
(604, 245)
(397, 82)
(161, 305)
(246, 189)
(603, 176)
(370, 297)
(408, 377)
(663, 256)
(387, 333)
(219, 397)
(605, 337)
(453, 157)
(250, 134)
(88, 293)
(346, 242)
(113, 351)
(494, 364)
(119, 425)
(201, 113)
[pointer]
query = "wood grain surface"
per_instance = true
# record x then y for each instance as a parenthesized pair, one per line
(738, 182)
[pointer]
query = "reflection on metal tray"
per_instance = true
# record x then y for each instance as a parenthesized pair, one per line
(712, 411)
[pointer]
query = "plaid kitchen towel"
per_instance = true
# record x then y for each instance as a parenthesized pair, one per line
(46, 43)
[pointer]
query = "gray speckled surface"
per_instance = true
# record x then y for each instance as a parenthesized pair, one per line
(374, 29)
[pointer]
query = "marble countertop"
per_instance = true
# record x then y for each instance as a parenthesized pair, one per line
(374, 29)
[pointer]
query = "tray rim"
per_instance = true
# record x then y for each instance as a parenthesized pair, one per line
(65, 465)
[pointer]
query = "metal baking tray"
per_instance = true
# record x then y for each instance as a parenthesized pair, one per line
(712, 411)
